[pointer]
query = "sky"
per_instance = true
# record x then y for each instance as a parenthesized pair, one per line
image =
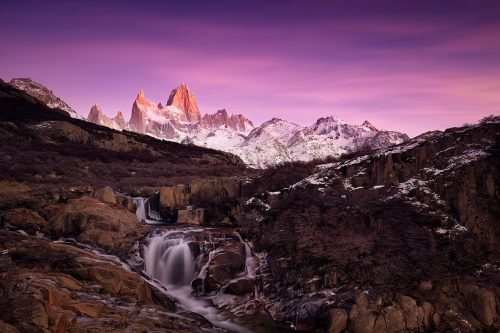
(411, 66)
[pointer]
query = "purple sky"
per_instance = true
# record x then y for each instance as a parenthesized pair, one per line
(407, 65)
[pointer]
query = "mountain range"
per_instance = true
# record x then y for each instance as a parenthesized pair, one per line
(275, 141)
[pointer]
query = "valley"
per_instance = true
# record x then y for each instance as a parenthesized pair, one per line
(109, 230)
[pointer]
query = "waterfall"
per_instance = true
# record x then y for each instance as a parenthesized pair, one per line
(140, 208)
(250, 262)
(169, 261)
(145, 213)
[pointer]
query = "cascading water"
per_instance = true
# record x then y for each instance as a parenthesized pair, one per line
(145, 213)
(169, 260)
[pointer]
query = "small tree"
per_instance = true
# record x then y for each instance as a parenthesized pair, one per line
(486, 119)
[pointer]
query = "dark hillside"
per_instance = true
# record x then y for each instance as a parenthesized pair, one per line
(43, 149)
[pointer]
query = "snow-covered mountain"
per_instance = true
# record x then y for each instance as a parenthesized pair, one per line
(43, 94)
(278, 141)
(275, 141)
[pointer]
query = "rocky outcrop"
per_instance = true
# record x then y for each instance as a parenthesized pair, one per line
(191, 216)
(184, 100)
(419, 218)
(225, 265)
(43, 94)
(93, 222)
(61, 288)
(140, 110)
(221, 119)
(174, 197)
(215, 189)
(105, 195)
(25, 219)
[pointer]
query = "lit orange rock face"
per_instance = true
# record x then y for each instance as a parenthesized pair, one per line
(139, 110)
(184, 100)
(222, 119)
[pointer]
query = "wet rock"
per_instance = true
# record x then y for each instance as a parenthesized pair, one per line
(239, 286)
(227, 264)
(106, 195)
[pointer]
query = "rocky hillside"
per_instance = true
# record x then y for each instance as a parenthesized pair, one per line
(43, 94)
(400, 239)
(42, 150)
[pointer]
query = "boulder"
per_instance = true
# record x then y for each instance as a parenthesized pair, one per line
(226, 265)
(338, 320)
(125, 202)
(106, 195)
(25, 219)
(481, 302)
(239, 287)
(174, 197)
(190, 216)
(94, 223)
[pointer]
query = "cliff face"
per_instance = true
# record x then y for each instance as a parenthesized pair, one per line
(184, 100)
(370, 241)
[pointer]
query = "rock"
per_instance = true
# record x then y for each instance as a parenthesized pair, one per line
(481, 302)
(239, 286)
(225, 265)
(174, 197)
(425, 285)
(363, 322)
(393, 319)
(184, 100)
(190, 216)
(38, 315)
(61, 320)
(106, 195)
(215, 189)
(409, 307)
(338, 320)
(94, 223)
(7, 328)
(25, 219)
(125, 202)
(221, 118)
(90, 310)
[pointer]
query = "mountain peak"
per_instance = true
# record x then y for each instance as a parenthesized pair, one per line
(221, 119)
(184, 100)
(369, 125)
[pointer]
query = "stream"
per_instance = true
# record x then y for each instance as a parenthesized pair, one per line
(174, 256)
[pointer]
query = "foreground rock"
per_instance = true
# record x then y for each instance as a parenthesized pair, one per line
(92, 222)
(61, 288)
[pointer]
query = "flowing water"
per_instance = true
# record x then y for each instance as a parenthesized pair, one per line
(145, 213)
(172, 260)
(168, 258)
